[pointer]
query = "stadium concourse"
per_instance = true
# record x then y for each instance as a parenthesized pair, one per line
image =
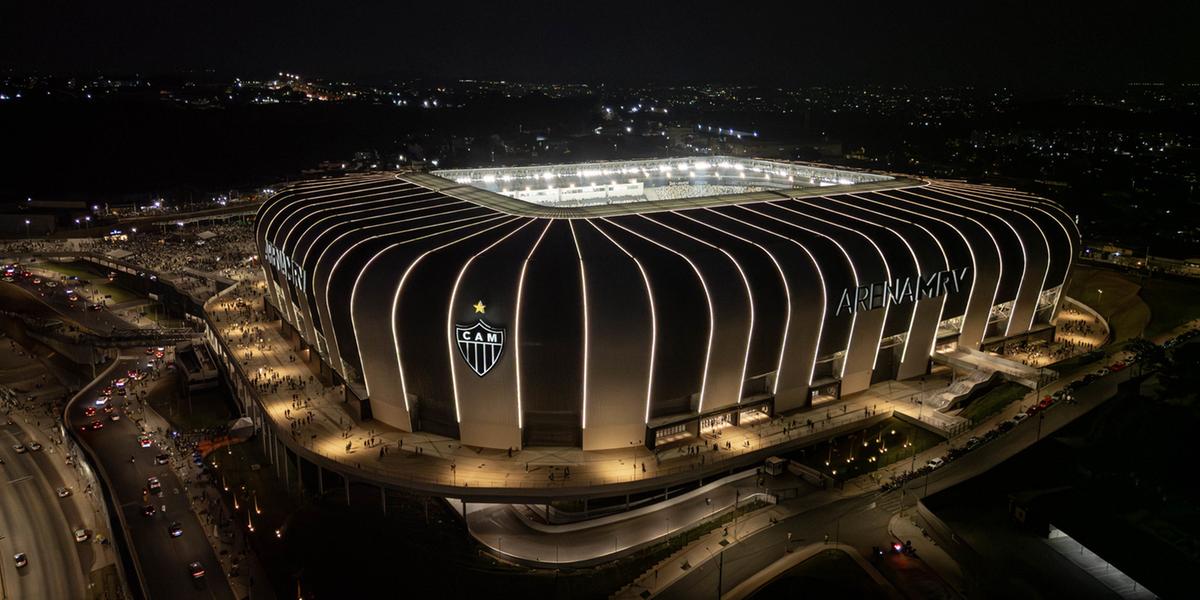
(318, 419)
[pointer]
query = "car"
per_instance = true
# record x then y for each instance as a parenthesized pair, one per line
(149, 510)
(153, 485)
(37, 281)
(8, 279)
(114, 417)
(106, 391)
(196, 569)
(1006, 425)
(162, 459)
(20, 559)
(102, 400)
(159, 354)
(1046, 402)
(108, 408)
(35, 446)
(1102, 372)
(82, 535)
(1020, 417)
(973, 441)
(95, 307)
(935, 462)
(97, 425)
(19, 448)
(120, 383)
(1117, 366)
(1032, 410)
(149, 351)
(89, 411)
(144, 441)
(63, 492)
(51, 284)
(175, 529)
(132, 373)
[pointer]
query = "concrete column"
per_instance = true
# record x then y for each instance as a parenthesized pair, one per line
(299, 474)
(383, 498)
(320, 480)
(347, 482)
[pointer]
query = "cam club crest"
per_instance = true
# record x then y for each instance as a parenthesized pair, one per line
(479, 343)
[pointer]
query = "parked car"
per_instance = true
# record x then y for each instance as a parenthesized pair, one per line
(935, 462)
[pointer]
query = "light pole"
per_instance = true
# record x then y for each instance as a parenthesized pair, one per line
(27, 228)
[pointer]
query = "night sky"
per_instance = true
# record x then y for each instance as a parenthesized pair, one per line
(1024, 44)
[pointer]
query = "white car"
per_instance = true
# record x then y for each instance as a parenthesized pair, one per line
(20, 559)
(935, 462)
(19, 448)
(63, 492)
(35, 446)
(82, 535)
(1019, 417)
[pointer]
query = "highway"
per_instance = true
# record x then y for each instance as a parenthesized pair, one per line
(163, 560)
(33, 520)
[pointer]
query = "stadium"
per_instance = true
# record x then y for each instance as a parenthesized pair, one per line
(616, 304)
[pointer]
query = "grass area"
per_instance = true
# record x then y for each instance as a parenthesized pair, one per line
(98, 279)
(993, 401)
(105, 584)
(829, 574)
(851, 455)
(1171, 302)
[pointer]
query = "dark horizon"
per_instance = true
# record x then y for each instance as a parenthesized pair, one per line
(1019, 45)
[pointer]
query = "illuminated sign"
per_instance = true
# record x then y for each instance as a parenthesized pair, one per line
(479, 343)
(900, 291)
(290, 269)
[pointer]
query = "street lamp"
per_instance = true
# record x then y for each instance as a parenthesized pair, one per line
(26, 227)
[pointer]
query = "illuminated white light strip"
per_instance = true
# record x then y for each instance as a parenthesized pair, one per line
(321, 300)
(1049, 253)
(1037, 202)
(1024, 254)
(586, 341)
(517, 322)
(311, 299)
(824, 300)
(886, 269)
(970, 251)
(999, 252)
(916, 262)
(285, 307)
(853, 272)
(400, 289)
(366, 267)
(467, 221)
(450, 343)
(787, 292)
(749, 296)
(707, 297)
(653, 315)
(945, 259)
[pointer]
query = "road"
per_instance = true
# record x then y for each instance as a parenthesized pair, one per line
(861, 519)
(164, 560)
(35, 521)
(99, 321)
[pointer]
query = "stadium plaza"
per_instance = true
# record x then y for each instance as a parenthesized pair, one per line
(273, 343)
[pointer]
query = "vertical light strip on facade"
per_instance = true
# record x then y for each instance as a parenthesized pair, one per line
(1024, 254)
(853, 271)
(824, 298)
(586, 339)
(749, 296)
(991, 201)
(517, 322)
(450, 344)
(653, 315)
(707, 298)
(400, 287)
(886, 269)
(999, 252)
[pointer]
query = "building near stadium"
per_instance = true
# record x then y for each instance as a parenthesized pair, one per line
(612, 304)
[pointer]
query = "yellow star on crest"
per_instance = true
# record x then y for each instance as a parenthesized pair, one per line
(479, 307)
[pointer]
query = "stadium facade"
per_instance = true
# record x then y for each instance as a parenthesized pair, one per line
(605, 305)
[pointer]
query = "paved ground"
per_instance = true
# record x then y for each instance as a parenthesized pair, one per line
(858, 514)
(319, 420)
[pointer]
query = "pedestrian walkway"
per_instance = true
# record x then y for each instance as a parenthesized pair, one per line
(318, 419)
